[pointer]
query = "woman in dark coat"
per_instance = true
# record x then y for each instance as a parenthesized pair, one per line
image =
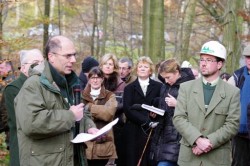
(165, 141)
(142, 91)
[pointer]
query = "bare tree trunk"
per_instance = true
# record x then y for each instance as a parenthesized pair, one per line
(1, 27)
(59, 16)
(104, 25)
(146, 27)
(52, 6)
(92, 42)
(3, 15)
(179, 29)
(46, 24)
(157, 30)
(232, 32)
(187, 29)
(63, 19)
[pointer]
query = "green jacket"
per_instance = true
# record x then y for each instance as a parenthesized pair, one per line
(44, 123)
(10, 92)
(219, 123)
(3, 113)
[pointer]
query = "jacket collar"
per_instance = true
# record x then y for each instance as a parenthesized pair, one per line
(87, 96)
(149, 89)
(218, 96)
(47, 80)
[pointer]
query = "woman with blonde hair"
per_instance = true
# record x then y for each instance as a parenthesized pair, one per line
(113, 83)
(143, 90)
(109, 66)
(165, 141)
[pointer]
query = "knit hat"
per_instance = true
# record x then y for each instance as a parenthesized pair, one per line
(246, 51)
(88, 63)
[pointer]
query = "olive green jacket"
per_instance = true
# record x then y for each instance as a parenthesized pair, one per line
(44, 123)
(219, 123)
(10, 92)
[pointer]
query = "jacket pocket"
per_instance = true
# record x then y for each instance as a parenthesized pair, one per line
(47, 153)
(105, 149)
(221, 110)
(221, 114)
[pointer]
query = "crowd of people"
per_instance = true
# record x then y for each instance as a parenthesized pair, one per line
(206, 119)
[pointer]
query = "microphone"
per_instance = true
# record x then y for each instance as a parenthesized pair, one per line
(77, 94)
(77, 100)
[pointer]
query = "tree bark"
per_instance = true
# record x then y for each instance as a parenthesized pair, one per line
(232, 32)
(187, 29)
(104, 25)
(153, 32)
(146, 27)
(46, 22)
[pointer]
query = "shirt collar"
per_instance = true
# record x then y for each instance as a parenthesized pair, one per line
(213, 83)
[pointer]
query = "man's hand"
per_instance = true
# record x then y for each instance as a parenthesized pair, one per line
(77, 111)
(196, 151)
(204, 144)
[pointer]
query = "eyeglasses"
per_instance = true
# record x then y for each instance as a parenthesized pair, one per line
(207, 60)
(67, 56)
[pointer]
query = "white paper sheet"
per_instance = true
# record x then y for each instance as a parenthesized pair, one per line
(153, 109)
(83, 137)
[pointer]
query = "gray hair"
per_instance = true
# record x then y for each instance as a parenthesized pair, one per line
(128, 60)
(25, 55)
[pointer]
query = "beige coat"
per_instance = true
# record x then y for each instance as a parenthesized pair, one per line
(103, 109)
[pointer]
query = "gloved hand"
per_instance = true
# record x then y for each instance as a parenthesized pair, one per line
(149, 125)
(136, 107)
(153, 124)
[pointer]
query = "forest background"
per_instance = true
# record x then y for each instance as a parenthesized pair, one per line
(159, 29)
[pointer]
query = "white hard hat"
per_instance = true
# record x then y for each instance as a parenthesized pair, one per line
(214, 48)
(186, 64)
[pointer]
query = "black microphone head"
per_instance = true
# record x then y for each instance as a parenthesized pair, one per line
(77, 94)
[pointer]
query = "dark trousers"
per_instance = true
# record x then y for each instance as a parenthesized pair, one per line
(241, 151)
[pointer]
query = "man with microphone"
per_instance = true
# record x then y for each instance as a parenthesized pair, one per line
(46, 113)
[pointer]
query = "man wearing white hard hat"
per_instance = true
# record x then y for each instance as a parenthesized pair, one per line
(207, 112)
(241, 142)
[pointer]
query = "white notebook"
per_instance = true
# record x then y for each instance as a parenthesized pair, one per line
(153, 109)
